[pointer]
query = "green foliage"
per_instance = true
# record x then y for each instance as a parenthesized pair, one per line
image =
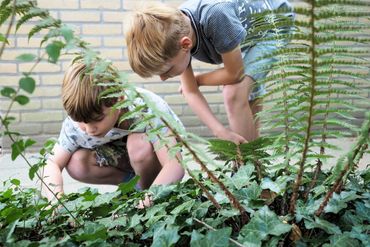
(273, 191)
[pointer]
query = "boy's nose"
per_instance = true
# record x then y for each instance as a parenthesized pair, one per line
(90, 129)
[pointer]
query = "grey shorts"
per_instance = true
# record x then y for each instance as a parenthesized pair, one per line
(256, 67)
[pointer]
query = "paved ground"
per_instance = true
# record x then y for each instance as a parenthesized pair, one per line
(19, 169)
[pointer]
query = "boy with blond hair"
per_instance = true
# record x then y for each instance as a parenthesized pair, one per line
(162, 40)
(95, 147)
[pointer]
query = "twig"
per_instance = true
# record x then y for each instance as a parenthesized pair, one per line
(213, 229)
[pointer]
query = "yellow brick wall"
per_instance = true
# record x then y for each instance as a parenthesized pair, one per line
(101, 23)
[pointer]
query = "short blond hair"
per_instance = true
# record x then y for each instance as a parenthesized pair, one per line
(81, 96)
(154, 38)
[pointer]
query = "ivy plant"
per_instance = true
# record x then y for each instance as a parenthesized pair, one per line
(278, 190)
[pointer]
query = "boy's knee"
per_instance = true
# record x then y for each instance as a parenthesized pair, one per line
(236, 95)
(142, 155)
(78, 165)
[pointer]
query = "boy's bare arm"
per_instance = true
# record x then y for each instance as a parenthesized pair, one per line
(172, 170)
(199, 105)
(231, 73)
(53, 172)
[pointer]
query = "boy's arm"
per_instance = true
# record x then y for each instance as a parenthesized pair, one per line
(53, 172)
(199, 105)
(231, 73)
(172, 170)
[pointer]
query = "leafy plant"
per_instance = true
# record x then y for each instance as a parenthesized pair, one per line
(275, 191)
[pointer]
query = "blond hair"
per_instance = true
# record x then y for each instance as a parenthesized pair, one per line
(80, 94)
(154, 38)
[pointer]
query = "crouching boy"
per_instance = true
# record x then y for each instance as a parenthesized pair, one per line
(95, 147)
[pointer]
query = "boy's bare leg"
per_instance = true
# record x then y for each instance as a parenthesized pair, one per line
(238, 109)
(143, 159)
(82, 167)
(256, 107)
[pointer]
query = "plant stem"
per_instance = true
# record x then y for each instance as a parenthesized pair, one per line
(213, 229)
(302, 162)
(9, 28)
(234, 201)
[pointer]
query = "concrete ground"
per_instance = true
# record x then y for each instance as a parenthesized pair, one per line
(19, 169)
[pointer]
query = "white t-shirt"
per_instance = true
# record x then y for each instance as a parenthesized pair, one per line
(71, 137)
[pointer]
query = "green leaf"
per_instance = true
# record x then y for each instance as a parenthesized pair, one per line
(17, 149)
(32, 171)
(92, 231)
(342, 240)
(15, 182)
(322, 224)
(165, 236)
(67, 33)
(28, 84)
(124, 188)
(242, 177)
(22, 99)
(8, 92)
(263, 223)
(3, 39)
(53, 51)
(185, 207)
(339, 202)
(26, 57)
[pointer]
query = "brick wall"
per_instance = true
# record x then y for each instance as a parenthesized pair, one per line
(100, 23)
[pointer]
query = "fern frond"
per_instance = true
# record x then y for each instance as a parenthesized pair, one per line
(32, 13)
(43, 24)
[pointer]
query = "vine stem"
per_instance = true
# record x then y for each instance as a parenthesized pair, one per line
(213, 229)
(234, 201)
(43, 182)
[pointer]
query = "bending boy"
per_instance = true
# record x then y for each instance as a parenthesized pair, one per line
(95, 147)
(162, 40)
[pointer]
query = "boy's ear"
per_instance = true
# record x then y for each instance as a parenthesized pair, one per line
(186, 43)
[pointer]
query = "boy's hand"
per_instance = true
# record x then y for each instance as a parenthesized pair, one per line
(231, 136)
(147, 202)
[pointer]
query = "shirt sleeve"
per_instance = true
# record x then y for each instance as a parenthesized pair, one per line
(68, 137)
(223, 27)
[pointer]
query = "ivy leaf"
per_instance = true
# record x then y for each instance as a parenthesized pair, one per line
(322, 224)
(185, 207)
(92, 231)
(242, 177)
(26, 57)
(22, 99)
(218, 238)
(339, 202)
(342, 240)
(8, 92)
(53, 51)
(124, 188)
(165, 236)
(27, 84)
(263, 223)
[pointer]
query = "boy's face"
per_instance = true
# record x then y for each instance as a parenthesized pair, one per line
(175, 66)
(104, 125)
